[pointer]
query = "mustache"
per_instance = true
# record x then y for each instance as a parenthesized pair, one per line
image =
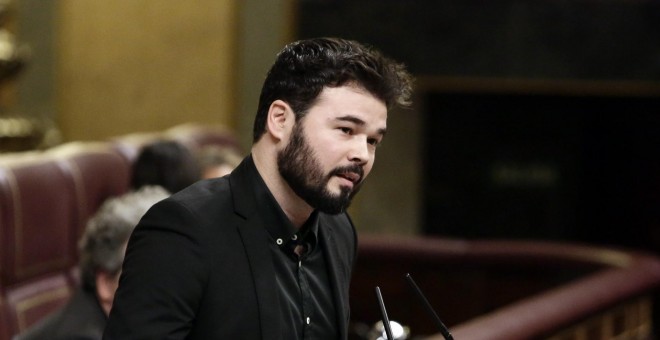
(349, 168)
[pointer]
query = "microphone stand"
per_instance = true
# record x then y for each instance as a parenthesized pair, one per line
(429, 309)
(386, 321)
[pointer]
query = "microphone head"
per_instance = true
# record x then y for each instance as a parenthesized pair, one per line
(399, 331)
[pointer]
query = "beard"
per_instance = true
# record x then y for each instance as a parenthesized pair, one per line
(300, 168)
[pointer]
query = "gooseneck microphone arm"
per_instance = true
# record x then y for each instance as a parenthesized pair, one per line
(429, 309)
(383, 312)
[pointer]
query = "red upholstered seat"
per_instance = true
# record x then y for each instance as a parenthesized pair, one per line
(30, 301)
(98, 172)
(47, 198)
(37, 211)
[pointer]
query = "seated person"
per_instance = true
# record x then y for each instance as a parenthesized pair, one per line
(168, 164)
(217, 161)
(102, 248)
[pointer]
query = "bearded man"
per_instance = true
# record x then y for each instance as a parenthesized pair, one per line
(266, 252)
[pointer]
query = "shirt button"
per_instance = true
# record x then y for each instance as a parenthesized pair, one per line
(294, 237)
(279, 241)
(308, 320)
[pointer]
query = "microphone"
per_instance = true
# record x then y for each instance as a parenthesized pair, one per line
(383, 312)
(443, 329)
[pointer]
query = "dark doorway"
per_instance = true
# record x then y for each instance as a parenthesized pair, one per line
(551, 167)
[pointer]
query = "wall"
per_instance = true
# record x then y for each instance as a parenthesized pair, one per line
(264, 28)
(125, 65)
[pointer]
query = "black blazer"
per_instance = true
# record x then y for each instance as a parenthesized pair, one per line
(198, 266)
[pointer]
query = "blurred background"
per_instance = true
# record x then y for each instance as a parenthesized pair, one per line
(533, 119)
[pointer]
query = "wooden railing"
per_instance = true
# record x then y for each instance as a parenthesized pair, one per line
(508, 289)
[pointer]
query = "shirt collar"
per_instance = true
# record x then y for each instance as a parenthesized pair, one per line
(277, 224)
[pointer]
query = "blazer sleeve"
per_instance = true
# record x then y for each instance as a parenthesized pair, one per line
(163, 277)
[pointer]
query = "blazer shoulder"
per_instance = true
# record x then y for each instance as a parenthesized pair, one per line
(203, 200)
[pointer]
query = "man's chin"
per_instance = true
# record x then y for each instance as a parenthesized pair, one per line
(334, 203)
(342, 190)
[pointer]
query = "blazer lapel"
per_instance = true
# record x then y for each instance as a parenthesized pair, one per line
(255, 242)
(338, 279)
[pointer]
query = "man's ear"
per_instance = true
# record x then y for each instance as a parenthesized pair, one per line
(280, 119)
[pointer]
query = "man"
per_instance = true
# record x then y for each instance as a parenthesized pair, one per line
(267, 252)
(101, 254)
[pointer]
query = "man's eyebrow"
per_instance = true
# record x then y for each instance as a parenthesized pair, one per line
(358, 121)
(352, 119)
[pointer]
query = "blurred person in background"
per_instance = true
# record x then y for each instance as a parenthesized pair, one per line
(217, 161)
(101, 250)
(168, 164)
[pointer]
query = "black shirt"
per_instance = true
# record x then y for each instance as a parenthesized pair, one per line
(307, 308)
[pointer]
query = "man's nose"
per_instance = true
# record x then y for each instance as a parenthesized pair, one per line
(359, 151)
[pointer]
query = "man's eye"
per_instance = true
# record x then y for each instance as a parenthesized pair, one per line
(346, 130)
(373, 141)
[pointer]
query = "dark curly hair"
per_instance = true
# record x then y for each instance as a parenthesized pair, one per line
(303, 68)
(166, 163)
